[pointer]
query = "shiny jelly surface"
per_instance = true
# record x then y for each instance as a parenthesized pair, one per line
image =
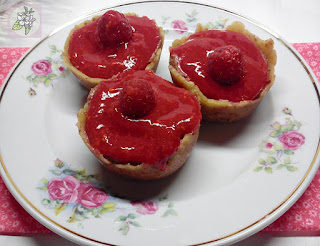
(96, 60)
(192, 58)
(151, 139)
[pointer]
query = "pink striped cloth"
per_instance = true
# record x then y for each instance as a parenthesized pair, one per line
(303, 218)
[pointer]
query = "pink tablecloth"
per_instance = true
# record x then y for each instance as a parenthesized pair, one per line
(302, 219)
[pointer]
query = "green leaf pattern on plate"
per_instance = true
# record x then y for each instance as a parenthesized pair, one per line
(44, 71)
(79, 196)
(190, 21)
(278, 148)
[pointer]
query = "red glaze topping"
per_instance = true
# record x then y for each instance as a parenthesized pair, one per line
(150, 139)
(89, 54)
(192, 58)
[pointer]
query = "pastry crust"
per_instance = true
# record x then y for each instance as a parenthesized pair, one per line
(90, 82)
(224, 110)
(142, 171)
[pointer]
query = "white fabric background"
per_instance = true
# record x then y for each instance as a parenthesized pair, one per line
(295, 20)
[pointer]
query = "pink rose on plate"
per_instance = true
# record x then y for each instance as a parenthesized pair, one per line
(65, 189)
(41, 67)
(145, 207)
(292, 140)
(179, 26)
(91, 197)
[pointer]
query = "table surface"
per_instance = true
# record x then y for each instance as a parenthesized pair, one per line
(295, 21)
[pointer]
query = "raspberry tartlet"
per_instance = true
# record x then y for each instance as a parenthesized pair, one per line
(107, 45)
(230, 71)
(139, 125)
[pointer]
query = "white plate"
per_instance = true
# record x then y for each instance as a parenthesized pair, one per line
(239, 178)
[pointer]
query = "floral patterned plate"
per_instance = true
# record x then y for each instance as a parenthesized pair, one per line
(239, 178)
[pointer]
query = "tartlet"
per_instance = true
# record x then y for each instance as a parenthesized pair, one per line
(91, 60)
(148, 147)
(225, 110)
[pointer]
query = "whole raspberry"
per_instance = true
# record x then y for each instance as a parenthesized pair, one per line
(137, 98)
(226, 64)
(113, 28)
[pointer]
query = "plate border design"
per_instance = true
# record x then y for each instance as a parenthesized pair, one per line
(57, 228)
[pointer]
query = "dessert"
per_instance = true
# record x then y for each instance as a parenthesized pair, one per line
(230, 71)
(140, 125)
(107, 45)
